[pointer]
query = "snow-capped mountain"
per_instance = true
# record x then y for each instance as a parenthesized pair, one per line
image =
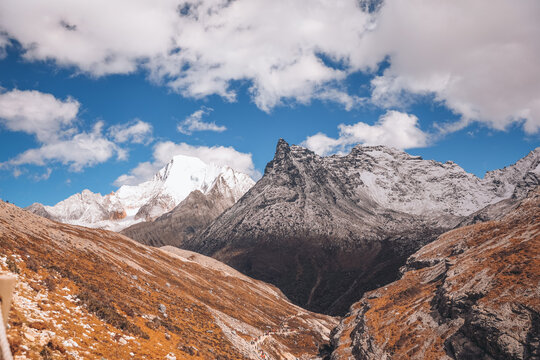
(326, 229)
(148, 200)
(187, 219)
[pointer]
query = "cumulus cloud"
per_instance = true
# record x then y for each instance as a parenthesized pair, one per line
(81, 150)
(479, 59)
(99, 37)
(164, 152)
(37, 113)
(395, 129)
(194, 122)
(136, 131)
(53, 123)
(198, 48)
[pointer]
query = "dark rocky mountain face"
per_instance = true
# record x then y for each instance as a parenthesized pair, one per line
(327, 229)
(471, 294)
(189, 217)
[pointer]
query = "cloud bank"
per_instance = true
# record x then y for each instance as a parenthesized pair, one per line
(477, 58)
(53, 123)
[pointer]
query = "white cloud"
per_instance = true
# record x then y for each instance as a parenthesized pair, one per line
(479, 59)
(194, 122)
(81, 150)
(53, 123)
(99, 37)
(275, 45)
(395, 129)
(17, 172)
(37, 113)
(45, 176)
(136, 131)
(164, 152)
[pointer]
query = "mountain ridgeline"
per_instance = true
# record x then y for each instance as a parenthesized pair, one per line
(132, 204)
(327, 229)
(188, 218)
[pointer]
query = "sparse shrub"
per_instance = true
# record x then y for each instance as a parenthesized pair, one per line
(46, 353)
(187, 349)
(49, 283)
(153, 324)
(127, 309)
(15, 345)
(99, 305)
(35, 286)
(12, 266)
(54, 345)
(38, 325)
(32, 264)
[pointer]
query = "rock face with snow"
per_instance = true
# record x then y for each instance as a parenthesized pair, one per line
(471, 294)
(184, 222)
(148, 200)
(327, 229)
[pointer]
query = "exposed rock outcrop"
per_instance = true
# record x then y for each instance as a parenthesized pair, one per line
(471, 294)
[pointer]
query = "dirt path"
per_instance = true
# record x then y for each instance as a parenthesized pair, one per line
(283, 330)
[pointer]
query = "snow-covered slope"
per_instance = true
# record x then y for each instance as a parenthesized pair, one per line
(148, 200)
(398, 181)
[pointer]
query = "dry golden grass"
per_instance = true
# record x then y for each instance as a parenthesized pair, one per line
(93, 294)
(500, 259)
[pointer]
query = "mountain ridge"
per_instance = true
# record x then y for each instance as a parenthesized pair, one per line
(350, 220)
(89, 294)
(148, 200)
(470, 294)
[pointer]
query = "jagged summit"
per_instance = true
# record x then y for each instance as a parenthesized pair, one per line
(326, 229)
(148, 200)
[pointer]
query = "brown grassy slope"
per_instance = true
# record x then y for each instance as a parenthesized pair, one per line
(85, 293)
(474, 293)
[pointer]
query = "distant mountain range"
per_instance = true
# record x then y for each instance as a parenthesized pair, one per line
(436, 262)
(187, 219)
(327, 229)
(323, 229)
(144, 202)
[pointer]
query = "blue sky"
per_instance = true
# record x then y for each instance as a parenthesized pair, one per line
(242, 90)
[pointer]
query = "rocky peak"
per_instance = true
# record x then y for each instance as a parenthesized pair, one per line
(314, 225)
(282, 152)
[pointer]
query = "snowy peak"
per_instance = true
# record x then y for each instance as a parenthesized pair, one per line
(398, 181)
(517, 179)
(148, 200)
(326, 229)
